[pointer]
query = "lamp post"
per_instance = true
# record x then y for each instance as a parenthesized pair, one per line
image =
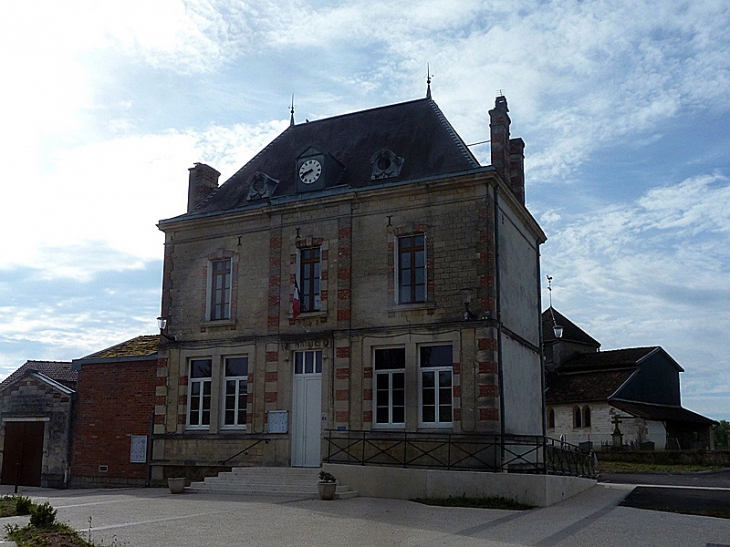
(557, 329)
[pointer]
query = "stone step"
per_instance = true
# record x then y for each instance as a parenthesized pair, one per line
(270, 481)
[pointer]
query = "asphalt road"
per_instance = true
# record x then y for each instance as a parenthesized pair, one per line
(690, 493)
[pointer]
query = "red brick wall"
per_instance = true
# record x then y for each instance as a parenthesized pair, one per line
(114, 401)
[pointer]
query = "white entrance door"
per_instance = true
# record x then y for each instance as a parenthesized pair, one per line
(307, 409)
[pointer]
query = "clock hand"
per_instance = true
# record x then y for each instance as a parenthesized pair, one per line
(307, 172)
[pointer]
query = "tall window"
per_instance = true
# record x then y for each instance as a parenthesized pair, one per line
(586, 416)
(220, 289)
(309, 277)
(576, 418)
(551, 419)
(235, 391)
(390, 393)
(436, 385)
(411, 269)
(199, 392)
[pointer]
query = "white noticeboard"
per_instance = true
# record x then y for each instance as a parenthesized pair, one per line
(278, 421)
(138, 449)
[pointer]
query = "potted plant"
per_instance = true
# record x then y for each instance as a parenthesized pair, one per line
(176, 484)
(327, 485)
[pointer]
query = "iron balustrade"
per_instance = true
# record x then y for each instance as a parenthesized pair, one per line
(459, 451)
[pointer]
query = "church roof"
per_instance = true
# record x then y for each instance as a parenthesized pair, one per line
(607, 360)
(584, 386)
(416, 132)
(571, 331)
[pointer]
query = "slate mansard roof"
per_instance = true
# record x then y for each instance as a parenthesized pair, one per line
(416, 131)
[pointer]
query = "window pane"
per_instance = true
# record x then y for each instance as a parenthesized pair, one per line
(428, 380)
(399, 414)
(200, 368)
(404, 296)
(391, 358)
(381, 415)
(419, 258)
(436, 356)
(429, 414)
(445, 413)
(230, 414)
(445, 378)
(420, 294)
(418, 240)
(382, 397)
(405, 260)
(318, 362)
(309, 362)
(398, 380)
(237, 366)
(298, 362)
(429, 397)
(399, 397)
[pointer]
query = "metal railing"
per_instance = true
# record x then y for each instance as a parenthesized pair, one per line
(460, 451)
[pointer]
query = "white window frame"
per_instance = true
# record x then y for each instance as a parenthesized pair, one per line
(209, 292)
(238, 380)
(202, 381)
(437, 397)
(390, 424)
(396, 272)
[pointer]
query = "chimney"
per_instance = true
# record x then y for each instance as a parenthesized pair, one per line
(517, 168)
(508, 156)
(201, 183)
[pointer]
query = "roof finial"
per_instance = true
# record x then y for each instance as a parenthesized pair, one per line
(291, 120)
(428, 80)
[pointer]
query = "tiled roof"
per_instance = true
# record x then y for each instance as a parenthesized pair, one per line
(605, 360)
(60, 371)
(141, 346)
(581, 387)
(661, 413)
(571, 331)
(416, 131)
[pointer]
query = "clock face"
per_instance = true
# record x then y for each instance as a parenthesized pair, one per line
(310, 171)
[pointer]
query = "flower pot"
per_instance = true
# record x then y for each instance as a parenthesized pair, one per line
(327, 490)
(176, 485)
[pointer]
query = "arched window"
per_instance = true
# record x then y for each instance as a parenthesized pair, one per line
(551, 418)
(576, 418)
(586, 416)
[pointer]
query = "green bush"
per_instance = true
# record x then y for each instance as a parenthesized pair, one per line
(23, 505)
(43, 515)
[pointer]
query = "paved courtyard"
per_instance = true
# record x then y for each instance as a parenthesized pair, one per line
(156, 518)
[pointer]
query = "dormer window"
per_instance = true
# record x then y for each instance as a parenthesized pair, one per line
(385, 164)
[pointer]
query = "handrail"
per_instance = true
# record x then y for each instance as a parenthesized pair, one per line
(461, 451)
(249, 447)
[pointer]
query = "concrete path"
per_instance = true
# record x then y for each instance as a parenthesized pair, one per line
(156, 518)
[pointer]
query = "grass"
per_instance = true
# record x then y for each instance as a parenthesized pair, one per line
(631, 467)
(480, 503)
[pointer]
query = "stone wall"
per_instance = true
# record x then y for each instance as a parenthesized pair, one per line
(32, 399)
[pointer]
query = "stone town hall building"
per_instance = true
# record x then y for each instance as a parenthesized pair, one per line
(361, 272)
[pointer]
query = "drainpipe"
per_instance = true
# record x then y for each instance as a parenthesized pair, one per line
(69, 439)
(542, 359)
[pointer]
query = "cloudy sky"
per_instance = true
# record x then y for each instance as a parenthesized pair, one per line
(624, 107)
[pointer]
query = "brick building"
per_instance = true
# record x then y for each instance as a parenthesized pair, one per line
(36, 409)
(361, 273)
(116, 398)
(589, 389)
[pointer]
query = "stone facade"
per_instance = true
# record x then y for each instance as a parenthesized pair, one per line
(479, 241)
(36, 398)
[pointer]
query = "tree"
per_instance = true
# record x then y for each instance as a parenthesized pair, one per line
(721, 433)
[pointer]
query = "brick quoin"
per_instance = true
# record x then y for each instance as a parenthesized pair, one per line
(345, 232)
(272, 376)
(457, 414)
(343, 294)
(342, 373)
(343, 315)
(274, 281)
(367, 416)
(275, 243)
(344, 352)
(457, 391)
(342, 395)
(487, 344)
(488, 367)
(342, 416)
(270, 397)
(273, 320)
(456, 367)
(367, 372)
(367, 394)
(272, 356)
(486, 390)
(343, 273)
(488, 415)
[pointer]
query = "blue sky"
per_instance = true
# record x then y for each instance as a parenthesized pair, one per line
(624, 108)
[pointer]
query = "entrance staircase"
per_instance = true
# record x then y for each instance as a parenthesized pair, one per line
(299, 482)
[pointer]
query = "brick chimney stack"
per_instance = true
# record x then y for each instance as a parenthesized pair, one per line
(507, 154)
(202, 181)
